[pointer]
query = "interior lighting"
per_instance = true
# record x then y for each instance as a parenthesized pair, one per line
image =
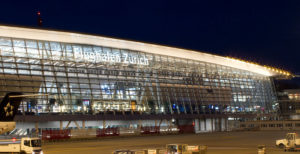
(162, 109)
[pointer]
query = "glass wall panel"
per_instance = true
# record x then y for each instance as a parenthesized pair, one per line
(94, 79)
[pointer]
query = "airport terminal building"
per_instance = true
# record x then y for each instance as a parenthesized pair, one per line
(71, 75)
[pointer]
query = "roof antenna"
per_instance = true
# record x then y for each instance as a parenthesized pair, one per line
(39, 19)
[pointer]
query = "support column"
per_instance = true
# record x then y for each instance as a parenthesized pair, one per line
(68, 125)
(60, 125)
(220, 124)
(83, 124)
(169, 124)
(140, 124)
(205, 124)
(216, 124)
(104, 124)
(37, 128)
(155, 123)
(200, 129)
(226, 123)
(77, 124)
(212, 124)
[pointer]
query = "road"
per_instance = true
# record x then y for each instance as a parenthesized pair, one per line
(218, 143)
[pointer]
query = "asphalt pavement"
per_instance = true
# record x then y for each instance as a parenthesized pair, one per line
(245, 142)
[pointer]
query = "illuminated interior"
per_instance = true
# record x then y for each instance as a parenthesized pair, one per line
(95, 75)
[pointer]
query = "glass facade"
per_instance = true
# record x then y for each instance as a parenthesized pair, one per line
(78, 78)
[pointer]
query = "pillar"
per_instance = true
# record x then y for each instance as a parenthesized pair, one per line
(140, 124)
(205, 124)
(104, 124)
(220, 124)
(169, 124)
(68, 125)
(36, 128)
(216, 124)
(200, 129)
(83, 124)
(76, 124)
(212, 124)
(60, 125)
(226, 124)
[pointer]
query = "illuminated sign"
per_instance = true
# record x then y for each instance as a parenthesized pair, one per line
(97, 57)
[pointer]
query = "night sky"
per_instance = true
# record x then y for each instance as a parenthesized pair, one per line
(267, 32)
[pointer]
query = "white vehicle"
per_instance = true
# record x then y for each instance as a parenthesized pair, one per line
(290, 143)
(25, 145)
(8, 109)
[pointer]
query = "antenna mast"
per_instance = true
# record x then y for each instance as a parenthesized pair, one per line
(39, 19)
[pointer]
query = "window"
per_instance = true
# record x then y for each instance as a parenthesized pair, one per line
(271, 125)
(288, 125)
(27, 143)
(264, 125)
(36, 143)
(251, 125)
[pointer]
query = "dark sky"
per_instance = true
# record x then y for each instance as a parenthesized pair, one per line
(262, 31)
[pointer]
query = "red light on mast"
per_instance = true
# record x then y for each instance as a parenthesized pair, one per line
(39, 19)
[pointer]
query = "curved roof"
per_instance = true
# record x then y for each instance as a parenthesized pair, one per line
(70, 37)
